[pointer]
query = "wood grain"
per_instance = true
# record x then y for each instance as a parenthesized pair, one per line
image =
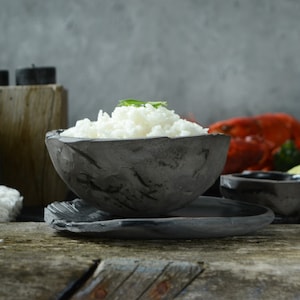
(26, 114)
(138, 279)
(37, 263)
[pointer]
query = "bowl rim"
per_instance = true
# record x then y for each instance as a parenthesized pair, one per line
(55, 134)
(282, 177)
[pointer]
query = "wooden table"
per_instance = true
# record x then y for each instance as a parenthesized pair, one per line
(38, 263)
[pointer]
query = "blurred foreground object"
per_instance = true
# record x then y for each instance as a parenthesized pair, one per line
(255, 140)
(10, 204)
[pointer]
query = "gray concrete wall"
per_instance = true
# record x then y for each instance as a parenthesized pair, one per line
(213, 58)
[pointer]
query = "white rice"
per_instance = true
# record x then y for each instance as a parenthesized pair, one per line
(129, 122)
(10, 203)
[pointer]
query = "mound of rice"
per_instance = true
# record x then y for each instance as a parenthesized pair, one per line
(11, 203)
(128, 122)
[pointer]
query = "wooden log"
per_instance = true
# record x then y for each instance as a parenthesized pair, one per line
(26, 114)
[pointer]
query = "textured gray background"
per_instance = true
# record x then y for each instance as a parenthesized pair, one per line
(213, 58)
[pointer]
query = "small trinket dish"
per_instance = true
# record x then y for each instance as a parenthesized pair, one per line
(279, 191)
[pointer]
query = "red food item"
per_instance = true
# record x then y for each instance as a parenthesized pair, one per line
(254, 140)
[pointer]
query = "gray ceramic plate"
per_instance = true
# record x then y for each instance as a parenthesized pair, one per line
(207, 217)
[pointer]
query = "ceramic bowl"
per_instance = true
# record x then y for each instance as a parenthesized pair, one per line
(138, 177)
(279, 191)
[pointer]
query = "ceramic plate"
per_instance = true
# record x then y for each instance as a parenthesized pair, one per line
(206, 217)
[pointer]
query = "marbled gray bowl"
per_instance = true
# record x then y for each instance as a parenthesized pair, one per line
(279, 191)
(138, 177)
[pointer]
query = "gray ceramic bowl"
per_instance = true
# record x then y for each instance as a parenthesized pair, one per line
(138, 177)
(277, 190)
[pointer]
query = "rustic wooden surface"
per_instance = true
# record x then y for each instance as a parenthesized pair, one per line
(26, 114)
(38, 263)
(136, 279)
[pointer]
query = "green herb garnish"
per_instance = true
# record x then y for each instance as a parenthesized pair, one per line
(139, 103)
(287, 156)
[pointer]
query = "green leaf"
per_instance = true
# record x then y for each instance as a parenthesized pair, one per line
(139, 103)
(287, 156)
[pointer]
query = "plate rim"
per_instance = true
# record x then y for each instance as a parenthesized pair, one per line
(147, 225)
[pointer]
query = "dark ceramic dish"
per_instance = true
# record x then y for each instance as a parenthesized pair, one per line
(279, 191)
(138, 177)
(206, 217)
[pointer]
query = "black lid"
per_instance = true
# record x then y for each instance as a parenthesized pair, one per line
(36, 75)
(4, 77)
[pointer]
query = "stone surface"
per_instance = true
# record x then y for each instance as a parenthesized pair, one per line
(215, 58)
